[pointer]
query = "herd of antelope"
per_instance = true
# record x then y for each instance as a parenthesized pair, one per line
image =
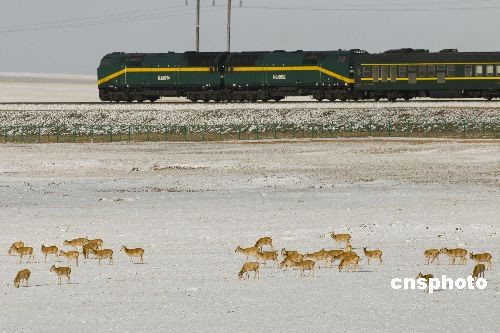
(348, 260)
(87, 246)
(483, 260)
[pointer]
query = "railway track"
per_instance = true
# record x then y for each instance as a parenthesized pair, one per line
(271, 102)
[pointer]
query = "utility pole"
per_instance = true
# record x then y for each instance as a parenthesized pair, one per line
(197, 25)
(228, 25)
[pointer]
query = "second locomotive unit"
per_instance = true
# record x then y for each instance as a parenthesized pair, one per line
(324, 75)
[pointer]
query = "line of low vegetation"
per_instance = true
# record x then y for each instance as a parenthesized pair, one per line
(199, 133)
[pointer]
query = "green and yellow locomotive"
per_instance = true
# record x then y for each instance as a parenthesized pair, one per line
(324, 75)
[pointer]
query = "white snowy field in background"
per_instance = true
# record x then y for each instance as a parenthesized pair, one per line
(190, 205)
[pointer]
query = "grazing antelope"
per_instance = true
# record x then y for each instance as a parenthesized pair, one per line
(287, 262)
(431, 254)
(46, 250)
(61, 271)
(88, 248)
(249, 251)
(137, 252)
(305, 265)
(24, 251)
(454, 253)
(264, 241)
(482, 257)
(14, 246)
(268, 256)
(70, 255)
(103, 254)
(293, 255)
(341, 238)
(332, 255)
(22, 275)
(351, 262)
(76, 242)
(317, 256)
(249, 267)
(374, 254)
(345, 255)
(426, 277)
(97, 241)
(478, 271)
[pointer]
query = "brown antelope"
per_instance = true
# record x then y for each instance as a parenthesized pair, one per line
(88, 248)
(482, 257)
(268, 256)
(46, 250)
(264, 241)
(249, 251)
(350, 262)
(137, 252)
(24, 251)
(70, 255)
(61, 271)
(426, 277)
(249, 267)
(305, 265)
(22, 275)
(341, 238)
(478, 271)
(317, 256)
(293, 255)
(332, 255)
(97, 241)
(76, 242)
(287, 262)
(454, 253)
(14, 246)
(345, 255)
(348, 247)
(374, 254)
(103, 254)
(431, 254)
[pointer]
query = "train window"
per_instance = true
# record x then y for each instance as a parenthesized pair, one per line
(402, 71)
(375, 73)
(412, 68)
(384, 73)
(431, 71)
(441, 77)
(441, 68)
(498, 70)
(450, 70)
(394, 73)
(422, 71)
(468, 70)
(479, 70)
(489, 70)
(412, 78)
(367, 71)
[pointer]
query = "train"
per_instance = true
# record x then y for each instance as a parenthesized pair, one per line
(399, 74)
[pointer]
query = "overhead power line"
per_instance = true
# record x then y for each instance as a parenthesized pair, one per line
(102, 20)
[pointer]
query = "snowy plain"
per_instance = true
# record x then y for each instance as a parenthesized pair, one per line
(190, 204)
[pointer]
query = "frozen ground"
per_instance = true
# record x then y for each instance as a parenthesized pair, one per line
(190, 205)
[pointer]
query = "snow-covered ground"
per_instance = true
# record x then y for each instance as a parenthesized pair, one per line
(418, 116)
(35, 87)
(189, 206)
